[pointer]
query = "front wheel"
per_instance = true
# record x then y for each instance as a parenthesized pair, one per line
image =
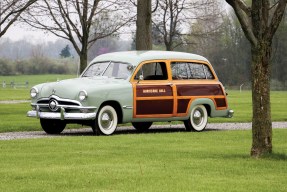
(52, 126)
(106, 121)
(197, 120)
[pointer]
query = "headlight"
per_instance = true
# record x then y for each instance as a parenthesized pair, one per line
(83, 95)
(34, 92)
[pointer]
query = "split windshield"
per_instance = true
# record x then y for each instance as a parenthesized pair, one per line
(109, 69)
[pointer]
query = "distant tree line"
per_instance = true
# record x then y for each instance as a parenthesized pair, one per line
(23, 57)
(37, 66)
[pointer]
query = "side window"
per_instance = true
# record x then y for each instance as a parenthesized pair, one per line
(187, 70)
(196, 71)
(179, 71)
(153, 71)
(208, 72)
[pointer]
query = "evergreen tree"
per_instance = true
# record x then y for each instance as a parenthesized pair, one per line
(65, 52)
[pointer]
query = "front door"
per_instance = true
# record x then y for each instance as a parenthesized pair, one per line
(153, 92)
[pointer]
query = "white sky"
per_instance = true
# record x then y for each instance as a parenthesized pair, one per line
(16, 33)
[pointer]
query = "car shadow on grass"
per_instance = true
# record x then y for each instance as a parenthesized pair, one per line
(128, 130)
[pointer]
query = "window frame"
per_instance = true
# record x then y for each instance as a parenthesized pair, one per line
(139, 68)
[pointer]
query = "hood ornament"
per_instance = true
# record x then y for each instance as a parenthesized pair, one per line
(54, 91)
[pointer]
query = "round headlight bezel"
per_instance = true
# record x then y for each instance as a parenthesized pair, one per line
(34, 92)
(83, 95)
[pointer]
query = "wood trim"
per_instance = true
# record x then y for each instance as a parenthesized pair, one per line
(177, 94)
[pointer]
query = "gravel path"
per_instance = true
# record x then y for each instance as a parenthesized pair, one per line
(14, 101)
(130, 130)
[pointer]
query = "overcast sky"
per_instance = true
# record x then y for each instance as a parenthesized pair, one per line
(16, 33)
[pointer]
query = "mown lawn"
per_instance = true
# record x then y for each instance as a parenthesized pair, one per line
(173, 161)
(241, 103)
(207, 161)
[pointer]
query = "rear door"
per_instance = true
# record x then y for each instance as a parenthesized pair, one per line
(194, 80)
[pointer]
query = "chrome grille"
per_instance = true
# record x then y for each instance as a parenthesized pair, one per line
(54, 103)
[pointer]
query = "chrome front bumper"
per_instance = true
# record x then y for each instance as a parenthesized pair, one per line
(62, 115)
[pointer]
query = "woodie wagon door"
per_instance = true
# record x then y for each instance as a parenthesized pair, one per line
(153, 100)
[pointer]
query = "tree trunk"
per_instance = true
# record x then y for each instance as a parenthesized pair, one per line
(143, 31)
(261, 122)
(84, 51)
(168, 46)
(83, 60)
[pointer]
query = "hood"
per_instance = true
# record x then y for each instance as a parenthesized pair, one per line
(70, 88)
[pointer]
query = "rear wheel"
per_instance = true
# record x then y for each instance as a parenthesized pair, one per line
(142, 126)
(106, 121)
(52, 126)
(197, 120)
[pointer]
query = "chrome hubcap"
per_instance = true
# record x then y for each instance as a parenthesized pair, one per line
(197, 117)
(106, 120)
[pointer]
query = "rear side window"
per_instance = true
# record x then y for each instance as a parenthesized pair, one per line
(188, 70)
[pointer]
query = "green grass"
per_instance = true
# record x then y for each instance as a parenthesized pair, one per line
(13, 118)
(175, 161)
(241, 103)
(209, 161)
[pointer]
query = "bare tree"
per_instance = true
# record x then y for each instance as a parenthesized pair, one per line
(175, 16)
(82, 22)
(259, 23)
(10, 11)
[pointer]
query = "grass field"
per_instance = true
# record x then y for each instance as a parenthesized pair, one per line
(173, 161)
(207, 161)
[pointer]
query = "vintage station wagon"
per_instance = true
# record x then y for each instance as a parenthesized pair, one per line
(140, 87)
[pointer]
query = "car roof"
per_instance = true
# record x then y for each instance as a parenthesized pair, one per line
(136, 57)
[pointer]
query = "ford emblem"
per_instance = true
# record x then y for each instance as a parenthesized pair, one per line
(53, 105)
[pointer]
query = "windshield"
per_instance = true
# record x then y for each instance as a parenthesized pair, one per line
(109, 69)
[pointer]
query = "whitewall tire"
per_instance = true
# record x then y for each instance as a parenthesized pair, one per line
(197, 120)
(106, 121)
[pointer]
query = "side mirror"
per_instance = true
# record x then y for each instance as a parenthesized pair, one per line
(130, 67)
(141, 77)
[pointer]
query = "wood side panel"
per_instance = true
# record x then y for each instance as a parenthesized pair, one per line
(182, 105)
(199, 90)
(220, 102)
(146, 107)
